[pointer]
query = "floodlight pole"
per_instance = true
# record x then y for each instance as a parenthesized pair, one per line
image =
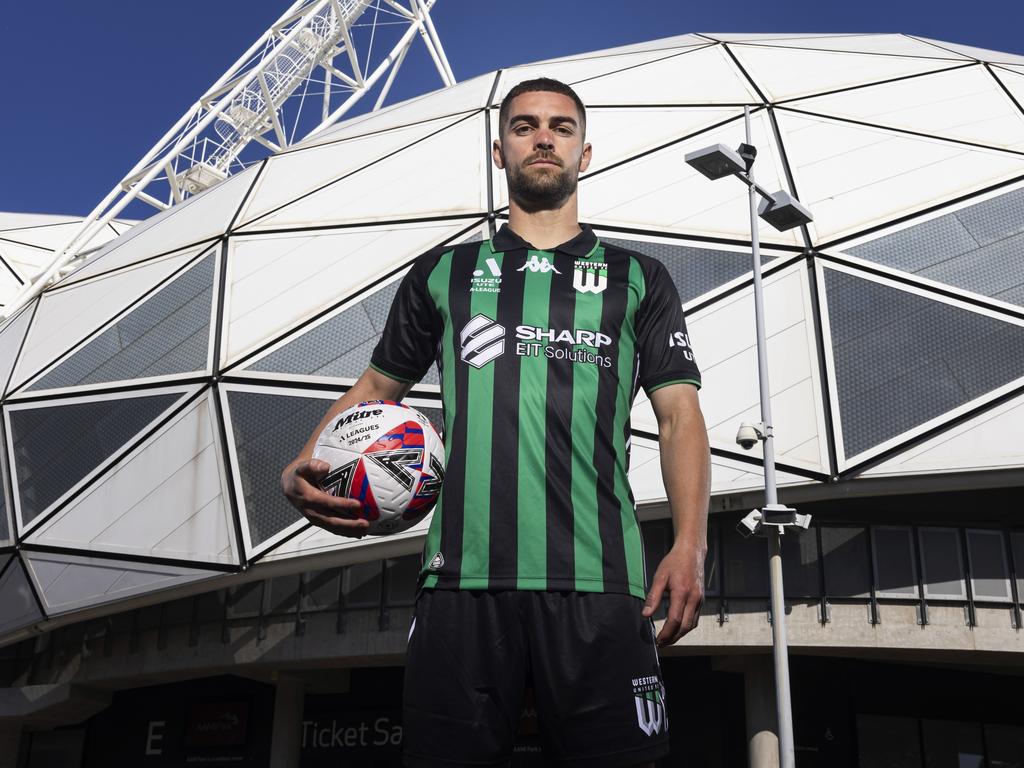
(780, 647)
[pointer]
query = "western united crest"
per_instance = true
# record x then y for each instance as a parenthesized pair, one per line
(590, 276)
(649, 697)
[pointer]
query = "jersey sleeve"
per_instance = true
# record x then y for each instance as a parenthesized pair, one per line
(413, 330)
(663, 343)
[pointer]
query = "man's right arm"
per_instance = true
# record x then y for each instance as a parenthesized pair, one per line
(300, 480)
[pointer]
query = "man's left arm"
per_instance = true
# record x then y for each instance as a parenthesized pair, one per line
(686, 470)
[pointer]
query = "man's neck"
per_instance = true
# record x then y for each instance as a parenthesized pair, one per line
(545, 229)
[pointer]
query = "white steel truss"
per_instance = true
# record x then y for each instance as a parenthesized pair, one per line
(302, 75)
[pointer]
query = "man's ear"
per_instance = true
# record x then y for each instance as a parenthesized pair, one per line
(585, 158)
(497, 155)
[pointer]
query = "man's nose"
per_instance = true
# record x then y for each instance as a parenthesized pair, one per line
(544, 139)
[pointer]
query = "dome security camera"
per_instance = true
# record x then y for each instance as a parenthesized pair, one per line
(749, 433)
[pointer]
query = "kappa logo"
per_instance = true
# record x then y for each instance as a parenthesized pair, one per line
(535, 264)
(590, 277)
(649, 696)
(436, 562)
(482, 340)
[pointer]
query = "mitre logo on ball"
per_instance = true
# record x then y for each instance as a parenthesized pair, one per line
(388, 457)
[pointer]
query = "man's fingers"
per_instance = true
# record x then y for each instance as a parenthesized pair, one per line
(312, 470)
(654, 596)
(340, 526)
(670, 629)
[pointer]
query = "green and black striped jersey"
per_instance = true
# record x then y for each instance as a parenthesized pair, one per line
(541, 353)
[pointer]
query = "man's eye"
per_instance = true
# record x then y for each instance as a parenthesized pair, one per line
(521, 129)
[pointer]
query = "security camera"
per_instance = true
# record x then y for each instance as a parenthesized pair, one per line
(748, 435)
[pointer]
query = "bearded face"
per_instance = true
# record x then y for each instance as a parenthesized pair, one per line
(540, 182)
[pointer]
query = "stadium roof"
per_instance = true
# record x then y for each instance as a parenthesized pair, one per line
(153, 395)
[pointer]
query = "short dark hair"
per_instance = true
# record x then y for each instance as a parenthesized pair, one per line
(545, 84)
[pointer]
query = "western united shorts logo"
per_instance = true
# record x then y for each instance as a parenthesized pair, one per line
(649, 697)
(482, 340)
(590, 276)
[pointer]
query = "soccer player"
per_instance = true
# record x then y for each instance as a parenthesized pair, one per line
(533, 566)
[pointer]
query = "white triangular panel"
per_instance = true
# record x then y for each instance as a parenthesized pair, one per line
(291, 175)
(1014, 82)
(889, 45)
(12, 333)
(982, 54)
(27, 260)
(988, 441)
(618, 134)
(661, 192)
(66, 315)
(724, 342)
(671, 81)
(727, 475)
(197, 219)
(9, 286)
(70, 582)
(313, 540)
(463, 97)
(55, 235)
(449, 179)
(166, 500)
(10, 220)
(964, 104)
(1018, 68)
(787, 73)
(18, 607)
(575, 71)
(853, 177)
(753, 37)
(667, 44)
(121, 226)
(277, 281)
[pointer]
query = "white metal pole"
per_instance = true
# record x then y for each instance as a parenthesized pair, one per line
(780, 650)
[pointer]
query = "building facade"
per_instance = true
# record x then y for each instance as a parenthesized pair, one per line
(156, 585)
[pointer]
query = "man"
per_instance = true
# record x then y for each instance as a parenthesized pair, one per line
(533, 565)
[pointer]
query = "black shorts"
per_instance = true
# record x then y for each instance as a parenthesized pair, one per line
(590, 659)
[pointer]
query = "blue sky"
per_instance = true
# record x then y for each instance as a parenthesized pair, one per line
(88, 87)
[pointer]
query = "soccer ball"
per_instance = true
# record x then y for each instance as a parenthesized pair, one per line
(388, 457)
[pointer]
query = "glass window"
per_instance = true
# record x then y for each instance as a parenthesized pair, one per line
(657, 535)
(402, 575)
(711, 568)
(847, 561)
(1005, 746)
(800, 574)
(321, 590)
(949, 744)
(1017, 550)
(885, 742)
(895, 569)
(941, 563)
(284, 594)
(244, 600)
(362, 585)
(990, 573)
(746, 565)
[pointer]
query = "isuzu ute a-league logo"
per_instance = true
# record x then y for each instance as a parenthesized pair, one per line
(482, 340)
(590, 276)
(649, 695)
(486, 281)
